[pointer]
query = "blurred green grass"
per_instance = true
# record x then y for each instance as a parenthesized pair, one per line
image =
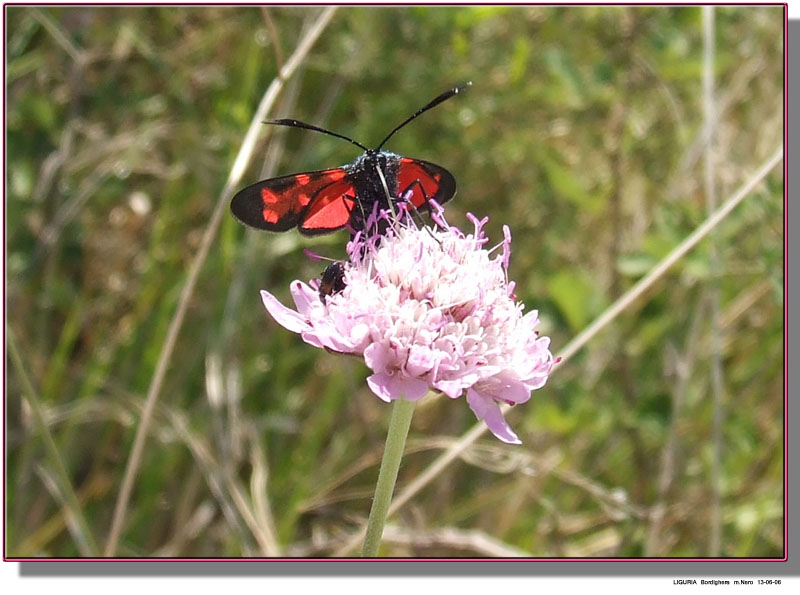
(582, 131)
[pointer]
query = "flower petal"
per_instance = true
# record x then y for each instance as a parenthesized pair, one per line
(359, 336)
(530, 320)
(312, 338)
(379, 384)
(487, 409)
(503, 388)
(452, 388)
(420, 360)
(376, 356)
(286, 317)
(332, 339)
(305, 298)
(388, 387)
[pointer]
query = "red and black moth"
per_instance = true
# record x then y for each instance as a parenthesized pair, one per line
(324, 201)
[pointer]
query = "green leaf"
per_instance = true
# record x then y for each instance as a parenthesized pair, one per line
(573, 295)
(566, 184)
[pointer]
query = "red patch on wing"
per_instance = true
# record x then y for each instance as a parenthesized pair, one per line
(277, 207)
(330, 209)
(279, 204)
(418, 179)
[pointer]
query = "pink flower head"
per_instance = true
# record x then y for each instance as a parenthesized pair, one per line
(429, 308)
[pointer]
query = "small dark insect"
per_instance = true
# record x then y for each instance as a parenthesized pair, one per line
(332, 280)
(324, 201)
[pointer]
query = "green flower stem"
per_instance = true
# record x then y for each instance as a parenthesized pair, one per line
(395, 443)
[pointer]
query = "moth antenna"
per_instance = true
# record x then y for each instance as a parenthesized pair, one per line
(436, 101)
(299, 124)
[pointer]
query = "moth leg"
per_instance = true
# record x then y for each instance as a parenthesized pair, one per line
(414, 209)
(409, 189)
(356, 201)
(355, 225)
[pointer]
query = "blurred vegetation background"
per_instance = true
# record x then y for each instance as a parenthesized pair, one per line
(583, 131)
